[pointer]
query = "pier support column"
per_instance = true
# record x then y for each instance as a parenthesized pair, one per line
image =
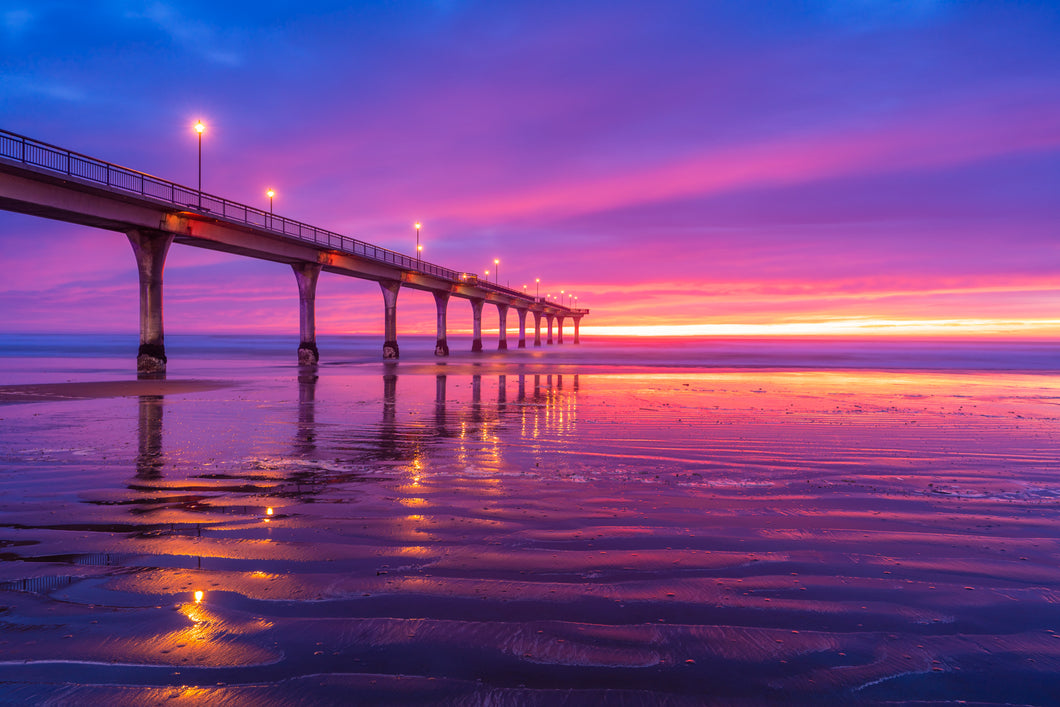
(502, 327)
(441, 301)
(577, 321)
(306, 274)
(559, 329)
(522, 327)
(537, 328)
(150, 248)
(549, 317)
(390, 290)
(476, 313)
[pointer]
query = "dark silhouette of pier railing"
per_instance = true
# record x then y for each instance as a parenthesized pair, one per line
(122, 179)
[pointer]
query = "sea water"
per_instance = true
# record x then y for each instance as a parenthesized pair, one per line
(618, 522)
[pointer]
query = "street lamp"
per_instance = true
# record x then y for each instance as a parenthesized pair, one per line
(419, 248)
(270, 193)
(199, 127)
(497, 272)
(537, 291)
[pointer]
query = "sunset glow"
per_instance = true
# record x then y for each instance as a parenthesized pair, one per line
(686, 170)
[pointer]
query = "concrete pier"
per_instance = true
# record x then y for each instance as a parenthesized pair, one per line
(559, 329)
(476, 313)
(502, 327)
(390, 290)
(521, 311)
(441, 301)
(306, 274)
(150, 249)
(577, 322)
(46, 181)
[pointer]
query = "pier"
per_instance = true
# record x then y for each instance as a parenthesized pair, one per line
(51, 182)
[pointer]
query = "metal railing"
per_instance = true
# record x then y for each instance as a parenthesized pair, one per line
(129, 181)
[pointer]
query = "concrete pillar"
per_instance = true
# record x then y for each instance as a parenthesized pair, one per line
(577, 321)
(559, 329)
(537, 328)
(549, 317)
(150, 248)
(390, 290)
(476, 313)
(522, 327)
(502, 324)
(306, 275)
(441, 301)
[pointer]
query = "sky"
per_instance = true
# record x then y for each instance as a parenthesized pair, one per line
(682, 167)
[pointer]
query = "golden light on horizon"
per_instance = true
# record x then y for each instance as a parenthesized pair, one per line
(892, 328)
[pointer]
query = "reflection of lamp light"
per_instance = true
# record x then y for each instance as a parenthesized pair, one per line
(198, 596)
(268, 511)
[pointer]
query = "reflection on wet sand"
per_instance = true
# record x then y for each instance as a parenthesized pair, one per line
(468, 537)
(547, 411)
(149, 460)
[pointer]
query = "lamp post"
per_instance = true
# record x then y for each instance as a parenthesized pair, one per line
(270, 193)
(537, 291)
(497, 271)
(419, 248)
(199, 127)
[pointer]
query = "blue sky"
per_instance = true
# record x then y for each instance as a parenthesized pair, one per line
(703, 165)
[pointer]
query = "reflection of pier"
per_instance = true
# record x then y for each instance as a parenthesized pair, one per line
(543, 404)
(149, 459)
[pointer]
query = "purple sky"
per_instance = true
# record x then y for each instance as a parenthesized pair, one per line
(726, 167)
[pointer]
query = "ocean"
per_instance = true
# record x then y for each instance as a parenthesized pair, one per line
(621, 522)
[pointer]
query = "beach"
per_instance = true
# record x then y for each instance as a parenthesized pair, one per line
(622, 522)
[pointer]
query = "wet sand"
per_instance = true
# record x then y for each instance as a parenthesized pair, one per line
(43, 392)
(424, 534)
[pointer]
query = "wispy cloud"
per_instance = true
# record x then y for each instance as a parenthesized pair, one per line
(194, 35)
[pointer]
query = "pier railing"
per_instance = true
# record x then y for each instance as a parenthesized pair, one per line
(130, 181)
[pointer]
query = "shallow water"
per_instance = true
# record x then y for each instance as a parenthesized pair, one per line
(867, 524)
